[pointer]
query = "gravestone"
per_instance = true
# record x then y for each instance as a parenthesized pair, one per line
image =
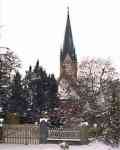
(43, 131)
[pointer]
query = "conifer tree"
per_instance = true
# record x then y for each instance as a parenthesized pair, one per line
(28, 95)
(17, 103)
(40, 91)
(52, 90)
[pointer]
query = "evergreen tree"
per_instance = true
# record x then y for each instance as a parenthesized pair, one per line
(28, 95)
(52, 92)
(40, 91)
(39, 83)
(37, 67)
(17, 103)
(34, 87)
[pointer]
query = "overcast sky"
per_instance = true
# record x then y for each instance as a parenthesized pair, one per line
(34, 29)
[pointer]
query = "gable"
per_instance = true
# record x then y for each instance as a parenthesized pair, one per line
(67, 59)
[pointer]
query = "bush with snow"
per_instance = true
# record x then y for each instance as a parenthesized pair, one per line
(64, 146)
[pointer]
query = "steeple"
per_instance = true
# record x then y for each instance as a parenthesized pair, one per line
(68, 45)
(68, 58)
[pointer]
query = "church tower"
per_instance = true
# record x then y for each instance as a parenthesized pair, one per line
(68, 58)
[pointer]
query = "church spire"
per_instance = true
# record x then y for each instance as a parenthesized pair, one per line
(68, 46)
(68, 58)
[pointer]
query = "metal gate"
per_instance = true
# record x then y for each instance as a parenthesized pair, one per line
(63, 134)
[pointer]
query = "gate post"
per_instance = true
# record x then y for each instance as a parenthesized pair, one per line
(1, 129)
(84, 135)
(43, 131)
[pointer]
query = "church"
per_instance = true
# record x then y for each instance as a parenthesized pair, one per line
(68, 66)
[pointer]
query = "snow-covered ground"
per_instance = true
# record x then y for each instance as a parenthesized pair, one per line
(92, 146)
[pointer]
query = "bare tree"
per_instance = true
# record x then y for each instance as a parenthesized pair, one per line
(8, 61)
(111, 116)
(93, 77)
(96, 71)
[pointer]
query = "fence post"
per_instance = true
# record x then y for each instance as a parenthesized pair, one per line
(1, 129)
(84, 135)
(43, 131)
(1, 134)
(26, 130)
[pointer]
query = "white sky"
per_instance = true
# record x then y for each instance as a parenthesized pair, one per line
(34, 29)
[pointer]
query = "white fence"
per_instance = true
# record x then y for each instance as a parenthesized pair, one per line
(30, 134)
(21, 134)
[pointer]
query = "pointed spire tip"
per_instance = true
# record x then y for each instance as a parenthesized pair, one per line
(68, 10)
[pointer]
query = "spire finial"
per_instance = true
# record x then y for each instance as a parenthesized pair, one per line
(68, 10)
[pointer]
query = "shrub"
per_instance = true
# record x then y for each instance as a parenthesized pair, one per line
(94, 132)
(12, 118)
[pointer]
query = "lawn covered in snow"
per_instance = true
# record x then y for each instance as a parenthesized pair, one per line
(92, 146)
